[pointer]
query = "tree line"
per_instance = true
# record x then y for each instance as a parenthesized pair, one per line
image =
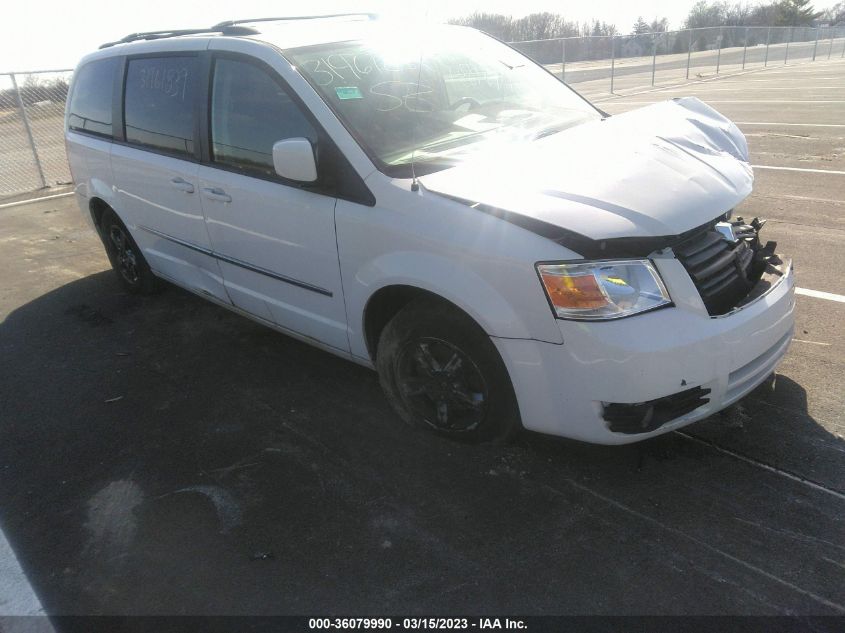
(705, 13)
(34, 90)
(779, 13)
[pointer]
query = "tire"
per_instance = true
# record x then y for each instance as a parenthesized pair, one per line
(441, 372)
(126, 258)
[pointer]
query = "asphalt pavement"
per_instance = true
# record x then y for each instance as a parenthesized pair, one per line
(160, 455)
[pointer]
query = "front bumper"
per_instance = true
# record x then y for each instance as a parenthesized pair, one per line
(564, 389)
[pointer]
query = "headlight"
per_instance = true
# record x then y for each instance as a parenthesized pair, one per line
(603, 290)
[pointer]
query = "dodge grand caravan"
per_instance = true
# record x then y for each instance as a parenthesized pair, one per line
(438, 207)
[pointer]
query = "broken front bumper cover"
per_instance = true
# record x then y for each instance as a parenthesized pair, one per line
(645, 417)
(565, 389)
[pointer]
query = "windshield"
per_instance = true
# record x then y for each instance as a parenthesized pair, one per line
(438, 98)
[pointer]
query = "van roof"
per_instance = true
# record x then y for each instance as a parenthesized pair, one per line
(282, 32)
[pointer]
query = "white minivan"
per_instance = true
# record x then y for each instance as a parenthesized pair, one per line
(432, 204)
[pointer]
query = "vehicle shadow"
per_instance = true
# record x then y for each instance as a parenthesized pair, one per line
(162, 455)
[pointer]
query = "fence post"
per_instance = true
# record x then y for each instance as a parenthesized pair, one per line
(719, 54)
(830, 46)
(689, 50)
(745, 50)
(768, 39)
(28, 127)
(563, 60)
(786, 55)
(653, 57)
(612, 60)
(816, 45)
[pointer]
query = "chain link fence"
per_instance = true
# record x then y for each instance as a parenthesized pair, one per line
(32, 152)
(611, 64)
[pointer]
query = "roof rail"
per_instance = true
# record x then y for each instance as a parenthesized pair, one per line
(223, 29)
(369, 16)
(231, 27)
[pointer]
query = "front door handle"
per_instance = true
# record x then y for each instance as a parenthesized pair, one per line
(216, 193)
(181, 184)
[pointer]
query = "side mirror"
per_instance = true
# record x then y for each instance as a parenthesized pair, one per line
(293, 158)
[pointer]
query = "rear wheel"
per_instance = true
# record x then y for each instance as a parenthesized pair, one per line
(126, 259)
(440, 371)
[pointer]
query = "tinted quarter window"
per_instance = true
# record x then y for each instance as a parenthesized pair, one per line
(159, 103)
(90, 106)
(250, 111)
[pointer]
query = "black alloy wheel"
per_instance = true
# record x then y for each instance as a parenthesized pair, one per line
(441, 372)
(441, 385)
(126, 258)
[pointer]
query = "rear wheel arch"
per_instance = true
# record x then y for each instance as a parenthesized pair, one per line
(97, 207)
(123, 252)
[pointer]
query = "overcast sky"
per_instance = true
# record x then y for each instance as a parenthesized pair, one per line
(51, 34)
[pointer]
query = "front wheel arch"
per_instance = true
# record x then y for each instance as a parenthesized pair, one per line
(388, 301)
(432, 319)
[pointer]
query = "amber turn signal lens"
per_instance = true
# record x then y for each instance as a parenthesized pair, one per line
(574, 292)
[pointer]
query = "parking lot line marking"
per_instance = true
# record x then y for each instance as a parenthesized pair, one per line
(791, 124)
(755, 101)
(801, 169)
(803, 198)
(17, 597)
(20, 202)
(763, 465)
(800, 340)
(820, 295)
(742, 87)
(701, 543)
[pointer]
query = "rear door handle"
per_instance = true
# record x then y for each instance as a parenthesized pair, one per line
(181, 184)
(216, 193)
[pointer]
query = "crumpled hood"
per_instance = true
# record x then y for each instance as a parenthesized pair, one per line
(656, 171)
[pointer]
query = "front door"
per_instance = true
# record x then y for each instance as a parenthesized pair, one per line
(275, 241)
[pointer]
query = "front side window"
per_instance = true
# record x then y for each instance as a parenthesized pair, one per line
(90, 108)
(159, 103)
(436, 97)
(250, 112)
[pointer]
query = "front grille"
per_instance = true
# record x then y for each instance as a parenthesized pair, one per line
(722, 270)
(643, 417)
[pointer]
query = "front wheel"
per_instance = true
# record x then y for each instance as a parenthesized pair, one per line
(440, 371)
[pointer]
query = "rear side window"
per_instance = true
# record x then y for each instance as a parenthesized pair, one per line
(90, 107)
(250, 111)
(159, 103)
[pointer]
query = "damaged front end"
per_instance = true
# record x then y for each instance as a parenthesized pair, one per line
(731, 268)
(729, 265)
